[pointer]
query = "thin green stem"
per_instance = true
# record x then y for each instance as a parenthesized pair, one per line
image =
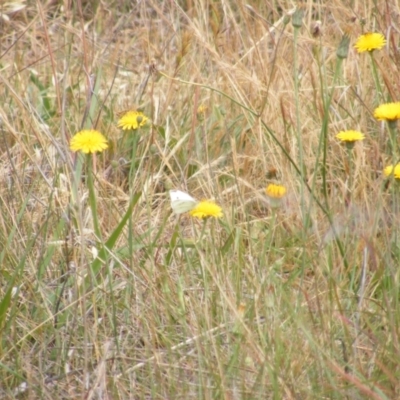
(393, 135)
(135, 139)
(349, 151)
(92, 197)
(376, 78)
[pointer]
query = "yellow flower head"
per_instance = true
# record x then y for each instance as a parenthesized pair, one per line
(370, 42)
(132, 120)
(388, 111)
(202, 109)
(275, 194)
(206, 209)
(275, 191)
(88, 141)
(350, 136)
(389, 170)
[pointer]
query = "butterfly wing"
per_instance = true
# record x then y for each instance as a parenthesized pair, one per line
(181, 202)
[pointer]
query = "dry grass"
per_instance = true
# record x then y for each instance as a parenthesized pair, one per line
(297, 303)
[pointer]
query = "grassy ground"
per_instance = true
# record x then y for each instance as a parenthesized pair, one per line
(106, 294)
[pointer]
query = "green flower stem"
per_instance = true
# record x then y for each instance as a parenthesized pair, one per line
(203, 230)
(76, 203)
(393, 135)
(349, 148)
(92, 197)
(271, 233)
(135, 140)
(376, 78)
(395, 193)
(132, 170)
(76, 177)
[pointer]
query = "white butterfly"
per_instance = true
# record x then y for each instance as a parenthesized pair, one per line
(181, 202)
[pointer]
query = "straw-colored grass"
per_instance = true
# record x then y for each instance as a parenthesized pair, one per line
(106, 294)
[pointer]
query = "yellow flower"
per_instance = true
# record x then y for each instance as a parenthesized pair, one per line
(132, 120)
(369, 42)
(350, 136)
(206, 209)
(388, 111)
(275, 194)
(202, 109)
(389, 170)
(275, 191)
(88, 141)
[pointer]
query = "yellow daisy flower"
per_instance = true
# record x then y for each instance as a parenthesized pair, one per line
(389, 170)
(275, 191)
(202, 109)
(275, 194)
(370, 42)
(88, 141)
(132, 120)
(206, 209)
(350, 136)
(388, 111)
